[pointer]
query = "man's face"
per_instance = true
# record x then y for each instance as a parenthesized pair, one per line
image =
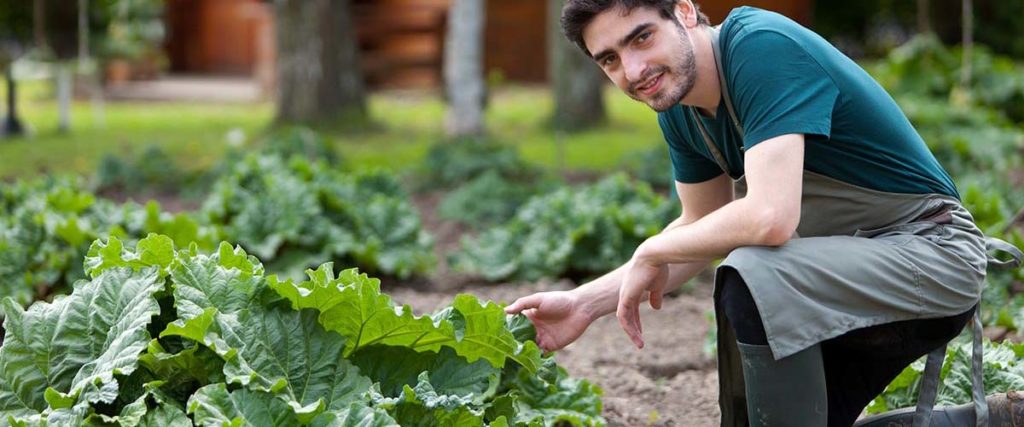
(648, 57)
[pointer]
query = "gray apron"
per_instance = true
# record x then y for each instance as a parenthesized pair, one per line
(862, 257)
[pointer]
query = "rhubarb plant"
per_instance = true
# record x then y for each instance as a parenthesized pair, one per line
(158, 336)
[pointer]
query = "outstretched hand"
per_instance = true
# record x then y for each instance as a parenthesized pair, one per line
(641, 277)
(559, 317)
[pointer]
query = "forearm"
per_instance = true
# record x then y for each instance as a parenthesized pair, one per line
(601, 296)
(743, 222)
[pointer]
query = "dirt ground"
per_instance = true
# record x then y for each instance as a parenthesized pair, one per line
(668, 383)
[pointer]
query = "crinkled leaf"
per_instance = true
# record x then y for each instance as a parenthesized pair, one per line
(213, 405)
(356, 415)
(75, 345)
(154, 250)
(392, 368)
(229, 281)
(353, 306)
(568, 400)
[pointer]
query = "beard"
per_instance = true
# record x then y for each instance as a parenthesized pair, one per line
(682, 65)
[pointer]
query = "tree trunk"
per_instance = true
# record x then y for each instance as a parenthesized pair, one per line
(319, 78)
(924, 16)
(463, 68)
(64, 82)
(12, 125)
(968, 43)
(575, 79)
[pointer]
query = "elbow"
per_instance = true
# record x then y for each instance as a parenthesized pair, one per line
(776, 226)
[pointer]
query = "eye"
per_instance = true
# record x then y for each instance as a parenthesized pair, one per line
(643, 37)
(608, 60)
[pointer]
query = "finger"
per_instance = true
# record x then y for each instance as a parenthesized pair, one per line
(627, 321)
(656, 299)
(531, 301)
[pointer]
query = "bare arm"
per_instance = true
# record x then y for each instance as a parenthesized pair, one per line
(601, 296)
(767, 216)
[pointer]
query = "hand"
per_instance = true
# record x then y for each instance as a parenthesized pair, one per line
(640, 277)
(559, 317)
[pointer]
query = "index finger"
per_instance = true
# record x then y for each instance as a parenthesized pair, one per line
(531, 301)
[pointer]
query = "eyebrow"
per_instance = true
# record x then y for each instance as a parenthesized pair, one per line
(625, 40)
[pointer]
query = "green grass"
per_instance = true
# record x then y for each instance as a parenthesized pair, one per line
(405, 124)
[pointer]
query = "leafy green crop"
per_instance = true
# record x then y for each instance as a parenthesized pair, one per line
(293, 214)
(489, 199)
(46, 226)
(158, 336)
(1003, 370)
(571, 232)
(451, 163)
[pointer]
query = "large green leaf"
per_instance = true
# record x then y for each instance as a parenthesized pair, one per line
(566, 401)
(229, 281)
(280, 351)
(154, 250)
(353, 306)
(393, 368)
(70, 350)
(213, 405)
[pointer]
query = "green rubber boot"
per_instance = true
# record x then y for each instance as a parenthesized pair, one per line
(786, 392)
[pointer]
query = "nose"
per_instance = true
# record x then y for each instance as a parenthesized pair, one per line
(634, 66)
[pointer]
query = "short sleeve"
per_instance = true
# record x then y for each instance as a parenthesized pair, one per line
(778, 88)
(688, 166)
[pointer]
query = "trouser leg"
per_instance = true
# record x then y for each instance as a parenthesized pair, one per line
(861, 363)
(855, 367)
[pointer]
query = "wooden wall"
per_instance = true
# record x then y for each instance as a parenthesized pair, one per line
(401, 41)
(217, 36)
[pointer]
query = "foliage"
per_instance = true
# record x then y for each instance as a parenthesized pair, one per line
(293, 213)
(925, 67)
(455, 162)
(652, 166)
(571, 232)
(134, 28)
(152, 169)
(157, 336)
(488, 199)
(1003, 370)
(46, 226)
(291, 141)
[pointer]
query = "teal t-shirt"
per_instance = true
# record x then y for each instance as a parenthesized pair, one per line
(784, 79)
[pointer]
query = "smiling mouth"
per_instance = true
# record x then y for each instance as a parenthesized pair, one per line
(650, 86)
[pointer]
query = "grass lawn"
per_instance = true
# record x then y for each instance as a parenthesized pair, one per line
(405, 125)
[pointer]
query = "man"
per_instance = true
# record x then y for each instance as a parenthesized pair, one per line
(850, 255)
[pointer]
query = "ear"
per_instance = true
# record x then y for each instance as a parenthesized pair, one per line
(686, 13)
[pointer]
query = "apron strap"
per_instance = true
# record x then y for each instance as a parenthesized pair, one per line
(978, 386)
(709, 142)
(993, 244)
(931, 378)
(929, 387)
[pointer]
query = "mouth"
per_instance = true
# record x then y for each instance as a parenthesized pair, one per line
(651, 86)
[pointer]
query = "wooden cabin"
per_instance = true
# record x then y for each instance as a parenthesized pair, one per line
(401, 41)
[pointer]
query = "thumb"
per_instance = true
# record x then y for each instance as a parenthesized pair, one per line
(527, 302)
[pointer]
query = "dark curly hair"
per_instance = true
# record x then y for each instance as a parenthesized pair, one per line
(577, 14)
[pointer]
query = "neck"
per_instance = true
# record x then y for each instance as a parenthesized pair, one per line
(706, 92)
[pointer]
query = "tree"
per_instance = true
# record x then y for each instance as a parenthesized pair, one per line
(575, 79)
(319, 78)
(924, 21)
(463, 68)
(15, 36)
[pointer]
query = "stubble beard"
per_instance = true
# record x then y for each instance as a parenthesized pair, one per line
(683, 65)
